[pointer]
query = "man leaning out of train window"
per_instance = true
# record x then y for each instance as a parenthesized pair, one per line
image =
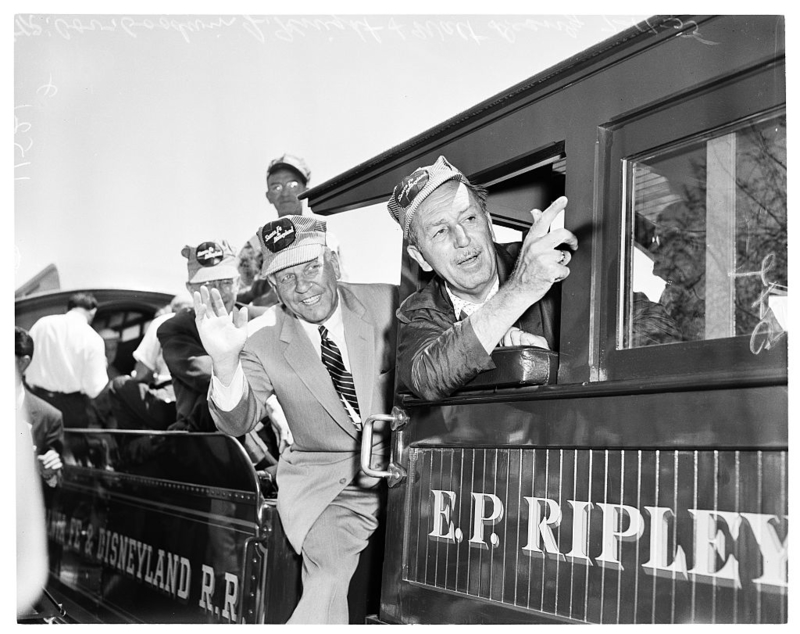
(483, 294)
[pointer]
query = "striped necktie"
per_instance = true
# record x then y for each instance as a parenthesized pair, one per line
(342, 379)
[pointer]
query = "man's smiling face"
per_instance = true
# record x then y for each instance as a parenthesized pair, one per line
(453, 237)
(310, 290)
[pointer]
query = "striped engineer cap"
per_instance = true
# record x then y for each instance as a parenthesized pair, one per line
(290, 240)
(409, 194)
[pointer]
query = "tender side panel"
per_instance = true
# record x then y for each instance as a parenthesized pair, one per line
(603, 536)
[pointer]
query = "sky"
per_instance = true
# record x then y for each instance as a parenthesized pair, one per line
(138, 133)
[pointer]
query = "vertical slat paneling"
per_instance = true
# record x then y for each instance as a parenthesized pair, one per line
(720, 487)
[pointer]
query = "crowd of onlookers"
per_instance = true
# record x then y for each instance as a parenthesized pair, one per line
(66, 377)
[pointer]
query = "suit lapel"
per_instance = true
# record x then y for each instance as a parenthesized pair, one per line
(301, 356)
(359, 335)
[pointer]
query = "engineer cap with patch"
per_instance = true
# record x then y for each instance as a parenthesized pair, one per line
(293, 163)
(291, 240)
(409, 194)
(211, 260)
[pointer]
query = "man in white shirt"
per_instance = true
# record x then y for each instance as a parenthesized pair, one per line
(69, 368)
(327, 353)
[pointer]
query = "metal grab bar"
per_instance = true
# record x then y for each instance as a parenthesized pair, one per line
(394, 473)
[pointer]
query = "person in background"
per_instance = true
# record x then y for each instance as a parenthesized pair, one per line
(31, 530)
(327, 352)
(69, 368)
(44, 421)
(484, 294)
(679, 252)
(101, 404)
(250, 262)
(211, 264)
(288, 176)
(146, 399)
(111, 342)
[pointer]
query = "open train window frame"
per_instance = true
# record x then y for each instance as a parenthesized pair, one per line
(678, 121)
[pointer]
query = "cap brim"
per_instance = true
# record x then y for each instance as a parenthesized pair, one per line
(289, 166)
(292, 257)
(220, 272)
(430, 187)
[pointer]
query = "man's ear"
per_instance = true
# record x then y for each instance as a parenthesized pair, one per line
(491, 226)
(337, 268)
(23, 362)
(415, 253)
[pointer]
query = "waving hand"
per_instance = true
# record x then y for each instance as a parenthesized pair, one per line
(223, 334)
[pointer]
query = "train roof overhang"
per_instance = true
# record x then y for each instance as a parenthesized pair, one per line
(373, 180)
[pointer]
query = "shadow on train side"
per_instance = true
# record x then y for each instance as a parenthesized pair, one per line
(164, 527)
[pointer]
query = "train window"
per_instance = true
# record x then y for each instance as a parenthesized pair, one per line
(694, 275)
(132, 332)
(708, 244)
(512, 196)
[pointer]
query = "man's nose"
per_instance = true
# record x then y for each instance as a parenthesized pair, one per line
(301, 285)
(461, 237)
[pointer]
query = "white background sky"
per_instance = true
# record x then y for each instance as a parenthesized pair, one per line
(132, 139)
(138, 145)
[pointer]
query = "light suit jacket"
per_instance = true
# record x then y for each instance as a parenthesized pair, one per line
(325, 457)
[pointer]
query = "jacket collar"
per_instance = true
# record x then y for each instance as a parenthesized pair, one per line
(434, 295)
(359, 335)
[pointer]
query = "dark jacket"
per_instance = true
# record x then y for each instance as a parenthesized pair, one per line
(190, 367)
(47, 427)
(437, 354)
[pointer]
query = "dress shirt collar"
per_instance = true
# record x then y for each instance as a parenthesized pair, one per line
(467, 307)
(78, 313)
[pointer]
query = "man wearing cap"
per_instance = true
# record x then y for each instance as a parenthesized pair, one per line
(327, 353)
(484, 294)
(211, 264)
(287, 178)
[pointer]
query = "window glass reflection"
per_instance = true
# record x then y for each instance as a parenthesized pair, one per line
(709, 242)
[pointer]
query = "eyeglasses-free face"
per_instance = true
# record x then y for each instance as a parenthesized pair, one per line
(310, 290)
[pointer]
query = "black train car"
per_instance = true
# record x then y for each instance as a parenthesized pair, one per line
(157, 527)
(646, 480)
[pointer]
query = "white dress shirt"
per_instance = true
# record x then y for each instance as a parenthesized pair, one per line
(149, 350)
(68, 355)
